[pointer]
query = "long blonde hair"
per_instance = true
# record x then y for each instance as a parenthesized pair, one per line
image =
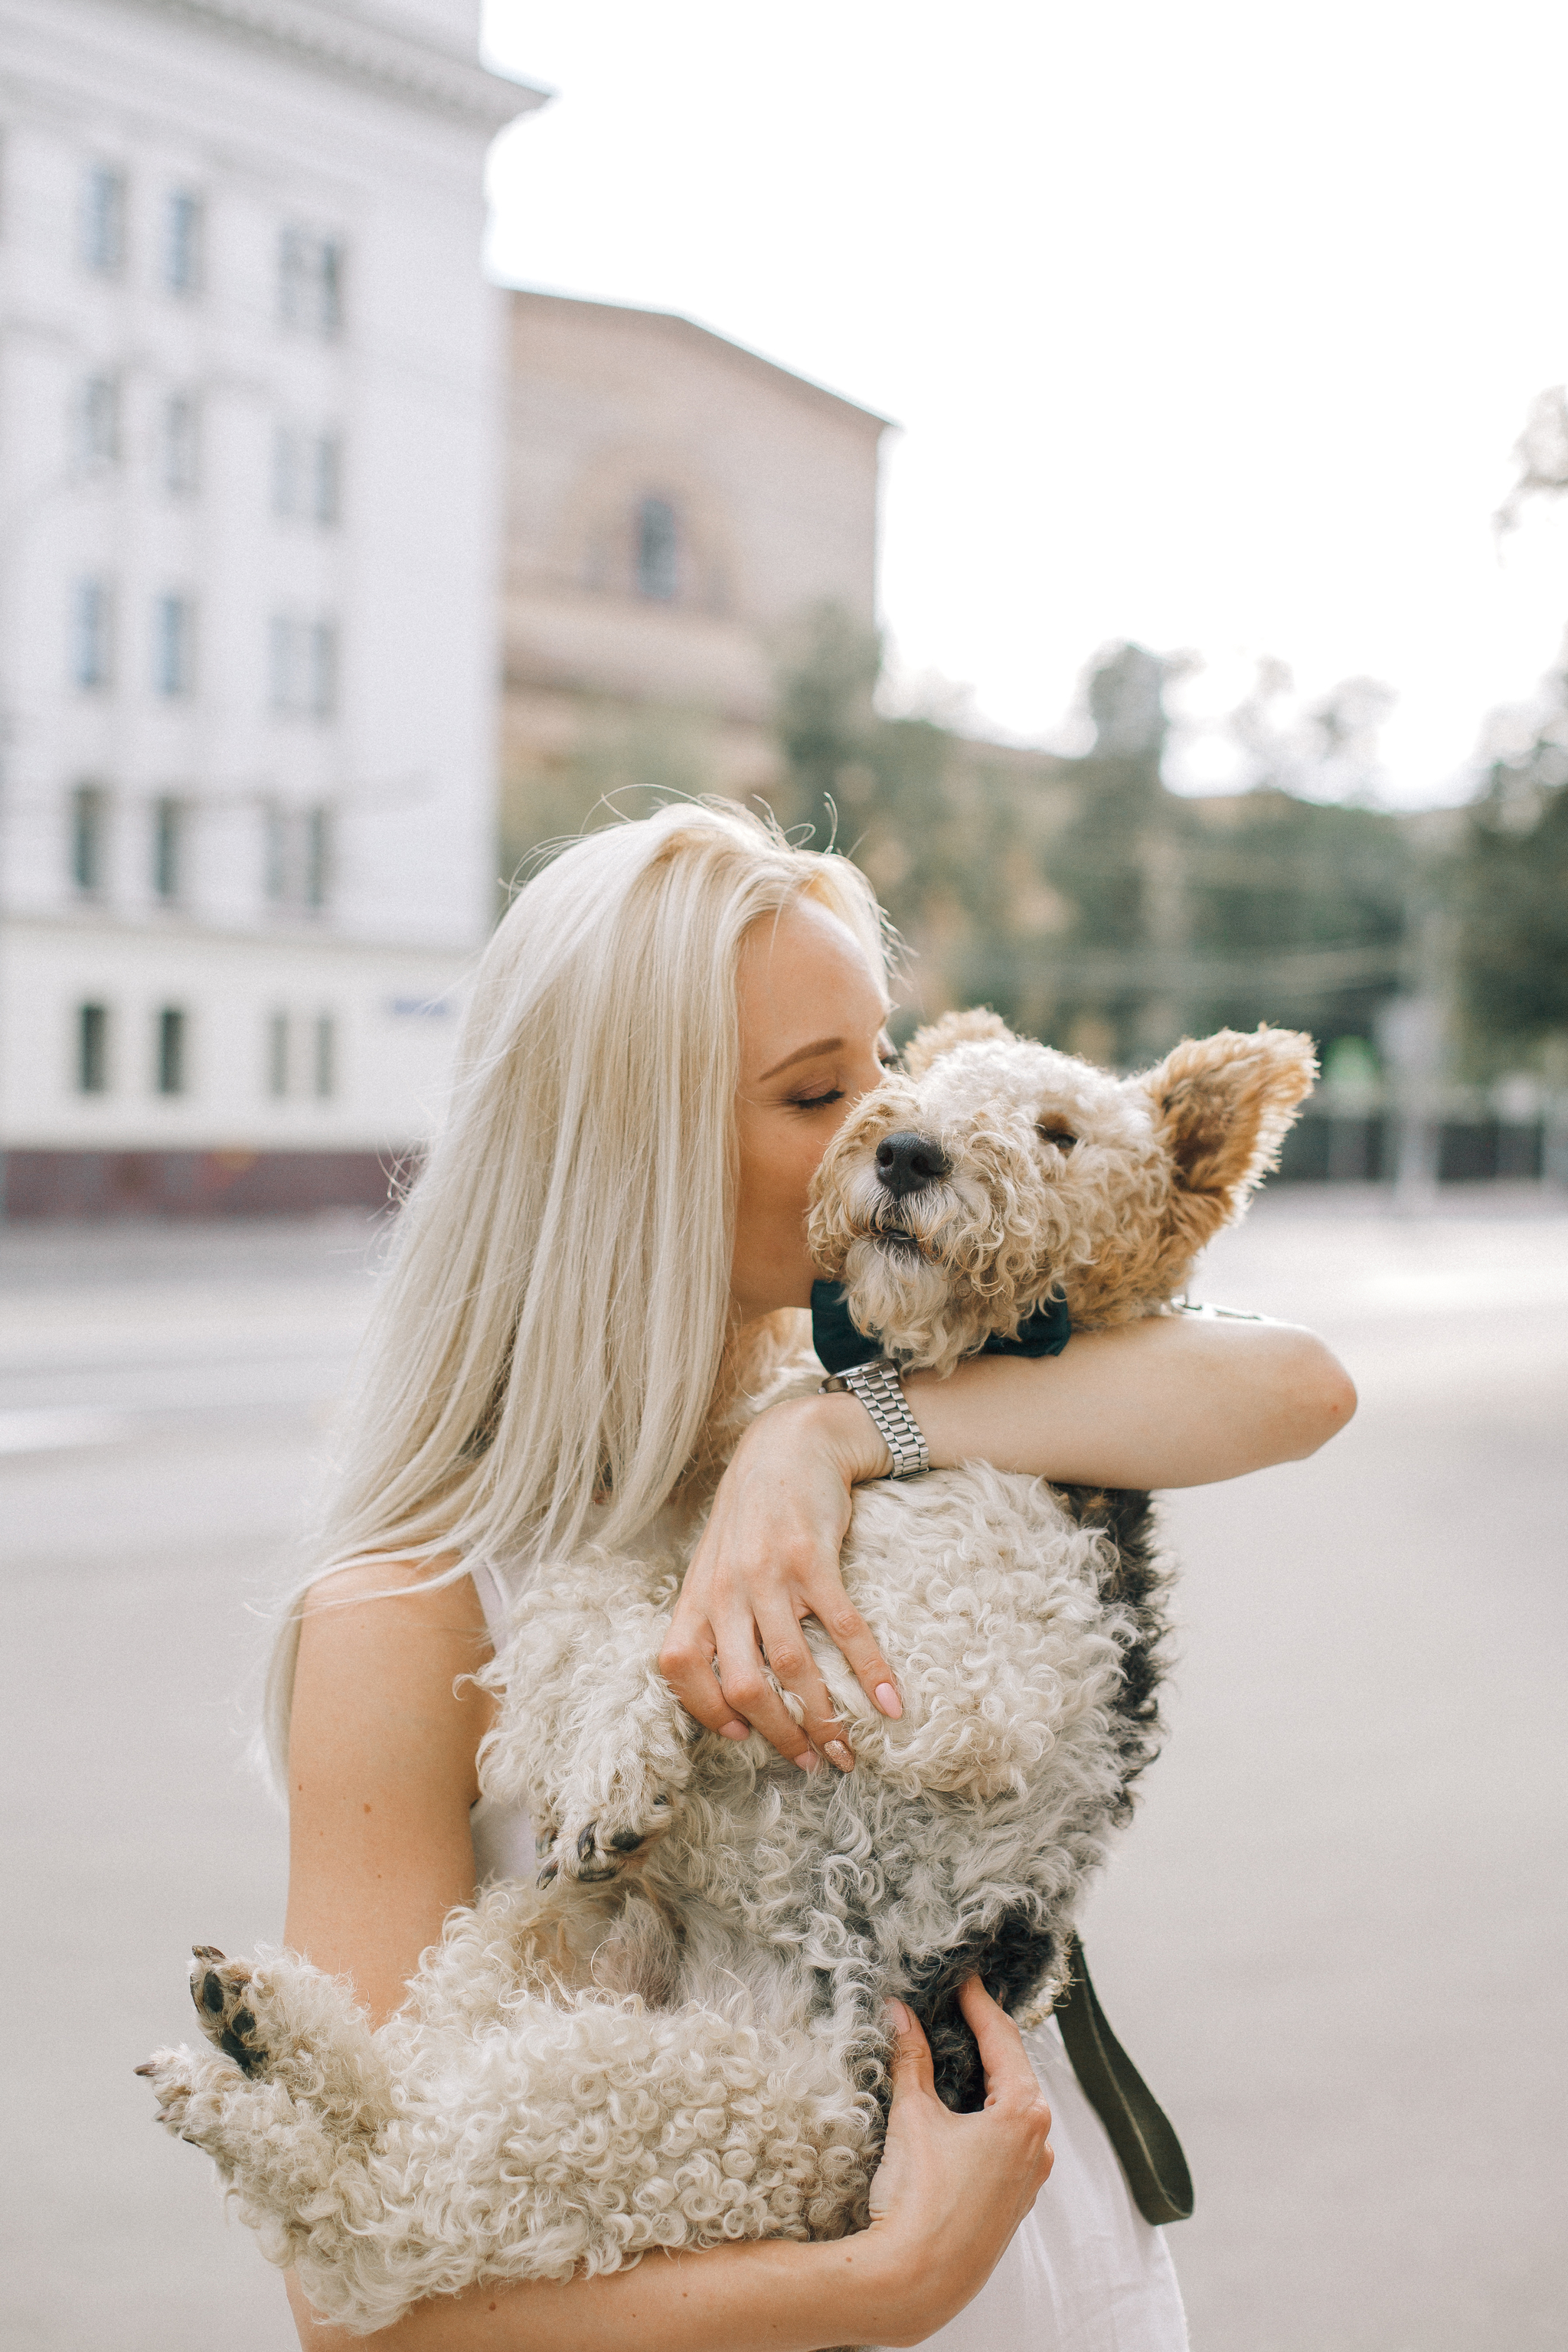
(553, 1327)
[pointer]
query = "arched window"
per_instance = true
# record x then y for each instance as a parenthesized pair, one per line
(656, 550)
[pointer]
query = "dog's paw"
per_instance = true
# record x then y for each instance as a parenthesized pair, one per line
(172, 2074)
(226, 2005)
(597, 1844)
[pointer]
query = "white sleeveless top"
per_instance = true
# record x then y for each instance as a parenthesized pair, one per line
(1085, 2273)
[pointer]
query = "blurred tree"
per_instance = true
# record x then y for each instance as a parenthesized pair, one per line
(1541, 453)
(1510, 892)
(1080, 896)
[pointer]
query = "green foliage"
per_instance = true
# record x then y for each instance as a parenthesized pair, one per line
(1081, 898)
(1511, 890)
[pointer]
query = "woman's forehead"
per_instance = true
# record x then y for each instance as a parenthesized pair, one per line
(805, 972)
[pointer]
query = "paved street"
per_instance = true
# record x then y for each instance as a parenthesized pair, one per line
(1333, 1941)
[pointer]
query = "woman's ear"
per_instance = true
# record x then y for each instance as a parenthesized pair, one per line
(1222, 1106)
(928, 1045)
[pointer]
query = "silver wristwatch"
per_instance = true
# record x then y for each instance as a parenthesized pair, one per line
(882, 1392)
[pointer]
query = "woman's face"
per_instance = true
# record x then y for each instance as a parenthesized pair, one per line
(813, 1040)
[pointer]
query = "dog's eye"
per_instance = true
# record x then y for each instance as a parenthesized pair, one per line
(1056, 1135)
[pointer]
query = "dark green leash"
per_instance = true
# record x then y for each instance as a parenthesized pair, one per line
(1150, 2152)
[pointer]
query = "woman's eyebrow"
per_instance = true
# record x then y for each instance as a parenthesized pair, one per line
(803, 1054)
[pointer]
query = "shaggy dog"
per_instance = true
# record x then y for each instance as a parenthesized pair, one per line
(677, 2037)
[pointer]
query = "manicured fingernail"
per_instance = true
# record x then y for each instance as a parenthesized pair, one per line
(810, 1761)
(898, 2017)
(734, 1731)
(840, 1755)
(888, 1699)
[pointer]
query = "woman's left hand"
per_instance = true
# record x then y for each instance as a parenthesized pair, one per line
(768, 1558)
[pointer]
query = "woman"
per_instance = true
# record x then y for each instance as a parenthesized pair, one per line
(665, 1031)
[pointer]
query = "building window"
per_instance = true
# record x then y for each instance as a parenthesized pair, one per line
(103, 220)
(303, 663)
(168, 849)
(326, 480)
(656, 550)
(93, 634)
(89, 838)
(307, 475)
(298, 873)
(277, 1055)
(325, 1071)
(92, 1049)
(182, 447)
(171, 1035)
(174, 646)
(317, 878)
(310, 282)
(185, 226)
(98, 424)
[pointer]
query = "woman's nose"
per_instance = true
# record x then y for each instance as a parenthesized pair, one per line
(908, 1163)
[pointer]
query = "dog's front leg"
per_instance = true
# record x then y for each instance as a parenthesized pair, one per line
(292, 2102)
(590, 1737)
(629, 1767)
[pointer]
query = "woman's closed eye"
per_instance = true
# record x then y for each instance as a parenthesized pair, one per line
(888, 1061)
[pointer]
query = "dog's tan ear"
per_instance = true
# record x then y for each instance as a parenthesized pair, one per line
(929, 1044)
(1222, 1106)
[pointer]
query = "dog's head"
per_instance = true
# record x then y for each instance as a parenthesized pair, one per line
(991, 1173)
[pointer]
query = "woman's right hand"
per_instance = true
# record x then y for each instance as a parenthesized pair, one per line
(951, 2189)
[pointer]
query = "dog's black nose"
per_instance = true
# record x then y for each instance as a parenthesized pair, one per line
(908, 1163)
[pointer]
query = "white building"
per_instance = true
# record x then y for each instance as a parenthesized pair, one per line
(250, 393)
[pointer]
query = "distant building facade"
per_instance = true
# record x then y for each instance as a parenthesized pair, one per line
(250, 379)
(673, 501)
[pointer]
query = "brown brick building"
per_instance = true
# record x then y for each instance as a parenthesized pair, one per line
(672, 501)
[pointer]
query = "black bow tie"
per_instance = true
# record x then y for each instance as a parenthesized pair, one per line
(839, 1343)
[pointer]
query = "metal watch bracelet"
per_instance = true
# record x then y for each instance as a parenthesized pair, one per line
(882, 1392)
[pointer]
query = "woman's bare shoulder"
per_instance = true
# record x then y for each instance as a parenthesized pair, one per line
(425, 1592)
(386, 1652)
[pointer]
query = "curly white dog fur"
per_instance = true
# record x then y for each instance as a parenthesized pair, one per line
(676, 2038)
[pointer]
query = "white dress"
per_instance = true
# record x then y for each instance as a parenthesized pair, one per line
(1085, 2273)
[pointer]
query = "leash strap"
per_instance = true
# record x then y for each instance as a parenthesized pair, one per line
(1141, 2133)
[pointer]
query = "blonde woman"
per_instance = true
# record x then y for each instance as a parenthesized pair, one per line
(665, 1031)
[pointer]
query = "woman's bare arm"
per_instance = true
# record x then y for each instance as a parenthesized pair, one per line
(1176, 1400)
(381, 1775)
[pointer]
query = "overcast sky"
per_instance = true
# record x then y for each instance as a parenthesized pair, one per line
(1211, 325)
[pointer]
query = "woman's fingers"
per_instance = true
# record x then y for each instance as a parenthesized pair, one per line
(686, 1662)
(1002, 2050)
(744, 1678)
(909, 2060)
(847, 1630)
(785, 1650)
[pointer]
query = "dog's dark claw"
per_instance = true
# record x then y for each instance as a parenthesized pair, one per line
(549, 1874)
(205, 1952)
(148, 2069)
(585, 1841)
